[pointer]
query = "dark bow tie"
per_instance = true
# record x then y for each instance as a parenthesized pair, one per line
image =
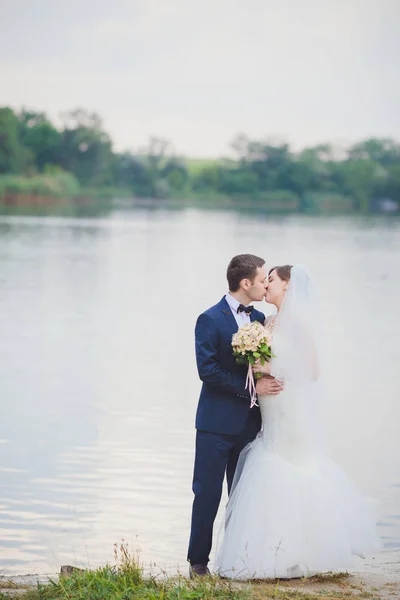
(247, 309)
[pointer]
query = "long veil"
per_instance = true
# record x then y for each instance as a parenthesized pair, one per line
(296, 428)
(299, 363)
(290, 506)
(298, 332)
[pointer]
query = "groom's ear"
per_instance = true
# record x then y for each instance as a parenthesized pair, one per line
(245, 284)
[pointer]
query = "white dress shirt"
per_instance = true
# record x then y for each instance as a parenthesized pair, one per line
(240, 318)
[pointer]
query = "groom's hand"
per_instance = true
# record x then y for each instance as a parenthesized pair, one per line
(268, 386)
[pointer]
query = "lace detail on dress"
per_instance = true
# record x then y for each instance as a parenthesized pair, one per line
(269, 322)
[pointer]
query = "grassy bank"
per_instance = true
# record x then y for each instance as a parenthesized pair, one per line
(126, 579)
(60, 186)
(61, 191)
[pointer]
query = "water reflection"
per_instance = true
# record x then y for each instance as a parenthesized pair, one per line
(98, 385)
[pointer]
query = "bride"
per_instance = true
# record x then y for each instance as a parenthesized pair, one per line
(292, 512)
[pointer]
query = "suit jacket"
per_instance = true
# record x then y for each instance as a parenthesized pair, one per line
(224, 403)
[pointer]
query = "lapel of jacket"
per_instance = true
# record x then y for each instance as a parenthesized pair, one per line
(253, 316)
(230, 319)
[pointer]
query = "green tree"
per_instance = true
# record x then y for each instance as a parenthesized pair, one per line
(389, 186)
(130, 171)
(207, 179)
(359, 179)
(383, 151)
(262, 159)
(85, 149)
(320, 161)
(14, 158)
(175, 173)
(38, 134)
(238, 181)
(298, 177)
(155, 158)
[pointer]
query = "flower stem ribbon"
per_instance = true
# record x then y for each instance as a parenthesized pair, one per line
(251, 386)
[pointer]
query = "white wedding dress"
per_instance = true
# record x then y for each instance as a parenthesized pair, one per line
(292, 511)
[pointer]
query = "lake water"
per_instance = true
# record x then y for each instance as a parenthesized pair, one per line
(98, 382)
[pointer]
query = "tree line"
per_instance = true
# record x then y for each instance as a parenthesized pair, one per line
(259, 170)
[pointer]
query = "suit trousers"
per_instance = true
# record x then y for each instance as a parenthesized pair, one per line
(216, 454)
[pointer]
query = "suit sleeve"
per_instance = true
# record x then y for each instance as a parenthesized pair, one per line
(210, 371)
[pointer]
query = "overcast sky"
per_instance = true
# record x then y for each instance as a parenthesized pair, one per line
(200, 71)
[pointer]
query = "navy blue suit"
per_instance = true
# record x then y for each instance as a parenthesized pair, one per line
(224, 421)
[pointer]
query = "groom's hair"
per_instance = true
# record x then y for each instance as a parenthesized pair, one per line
(242, 266)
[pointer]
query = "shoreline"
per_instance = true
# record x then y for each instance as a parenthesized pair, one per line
(376, 578)
(98, 198)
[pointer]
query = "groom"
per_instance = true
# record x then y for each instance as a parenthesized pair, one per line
(225, 423)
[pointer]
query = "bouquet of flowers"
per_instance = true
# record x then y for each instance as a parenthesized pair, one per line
(252, 343)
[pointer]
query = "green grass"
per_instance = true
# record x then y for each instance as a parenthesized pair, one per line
(112, 584)
(126, 580)
(57, 185)
(60, 184)
(195, 165)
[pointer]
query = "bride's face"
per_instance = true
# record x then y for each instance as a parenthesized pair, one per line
(276, 289)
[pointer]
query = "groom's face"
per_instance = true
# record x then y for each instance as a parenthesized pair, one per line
(258, 287)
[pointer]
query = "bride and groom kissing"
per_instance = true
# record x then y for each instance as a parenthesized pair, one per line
(292, 512)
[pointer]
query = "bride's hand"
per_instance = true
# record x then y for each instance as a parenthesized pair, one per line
(265, 369)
